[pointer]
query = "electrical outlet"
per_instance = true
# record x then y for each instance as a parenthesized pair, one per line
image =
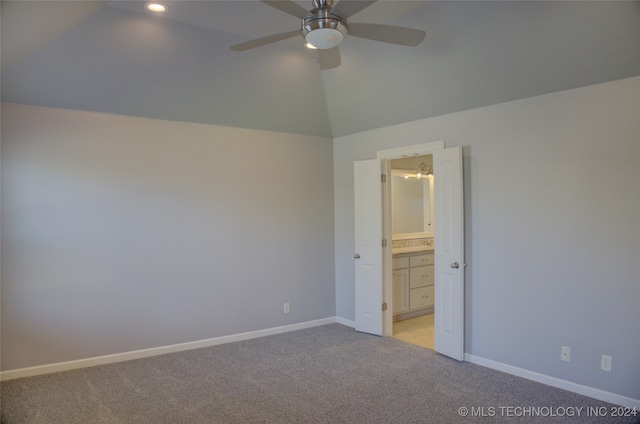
(605, 363)
(286, 308)
(565, 353)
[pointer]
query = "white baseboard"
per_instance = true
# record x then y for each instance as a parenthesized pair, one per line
(144, 353)
(555, 382)
(346, 322)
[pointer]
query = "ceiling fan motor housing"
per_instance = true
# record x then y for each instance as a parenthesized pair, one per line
(323, 29)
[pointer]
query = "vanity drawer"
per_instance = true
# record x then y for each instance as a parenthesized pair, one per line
(420, 276)
(421, 297)
(422, 260)
(400, 263)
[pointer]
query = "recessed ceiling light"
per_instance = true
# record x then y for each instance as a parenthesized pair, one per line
(157, 7)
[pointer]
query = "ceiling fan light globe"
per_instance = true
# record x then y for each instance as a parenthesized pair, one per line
(324, 38)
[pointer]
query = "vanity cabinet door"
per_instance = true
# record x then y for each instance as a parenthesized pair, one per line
(421, 276)
(400, 290)
(421, 297)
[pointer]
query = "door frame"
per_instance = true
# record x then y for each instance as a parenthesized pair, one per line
(386, 156)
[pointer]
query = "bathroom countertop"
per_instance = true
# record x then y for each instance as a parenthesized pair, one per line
(411, 249)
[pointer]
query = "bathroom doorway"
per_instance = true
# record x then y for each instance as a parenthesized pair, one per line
(412, 227)
(373, 270)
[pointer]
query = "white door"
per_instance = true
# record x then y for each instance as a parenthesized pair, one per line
(368, 245)
(449, 253)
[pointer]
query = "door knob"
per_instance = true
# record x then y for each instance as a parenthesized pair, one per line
(356, 256)
(455, 265)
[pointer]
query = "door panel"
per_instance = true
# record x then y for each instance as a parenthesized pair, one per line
(400, 290)
(368, 245)
(449, 251)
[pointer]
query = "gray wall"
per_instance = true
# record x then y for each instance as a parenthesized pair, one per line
(123, 233)
(552, 207)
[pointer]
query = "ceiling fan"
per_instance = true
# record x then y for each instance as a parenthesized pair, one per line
(325, 26)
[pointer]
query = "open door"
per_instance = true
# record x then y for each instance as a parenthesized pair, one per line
(449, 253)
(368, 246)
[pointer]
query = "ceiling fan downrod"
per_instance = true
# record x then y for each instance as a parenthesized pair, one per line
(319, 4)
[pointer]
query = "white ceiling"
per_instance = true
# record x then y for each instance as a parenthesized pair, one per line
(115, 57)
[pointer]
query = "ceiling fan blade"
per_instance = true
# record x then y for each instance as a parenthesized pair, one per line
(347, 8)
(289, 7)
(329, 58)
(388, 33)
(264, 40)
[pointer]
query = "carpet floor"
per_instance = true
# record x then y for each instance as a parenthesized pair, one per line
(327, 374)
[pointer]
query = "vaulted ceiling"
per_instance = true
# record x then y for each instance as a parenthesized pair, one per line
(116, 57)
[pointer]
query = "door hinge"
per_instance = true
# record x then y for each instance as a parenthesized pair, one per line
(384, 242)
(383, 178)
(384, 306)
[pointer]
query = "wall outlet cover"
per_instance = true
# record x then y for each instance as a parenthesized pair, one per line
(605, 363)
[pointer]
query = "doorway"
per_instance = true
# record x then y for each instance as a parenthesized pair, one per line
(373, 258)
(412, 226)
